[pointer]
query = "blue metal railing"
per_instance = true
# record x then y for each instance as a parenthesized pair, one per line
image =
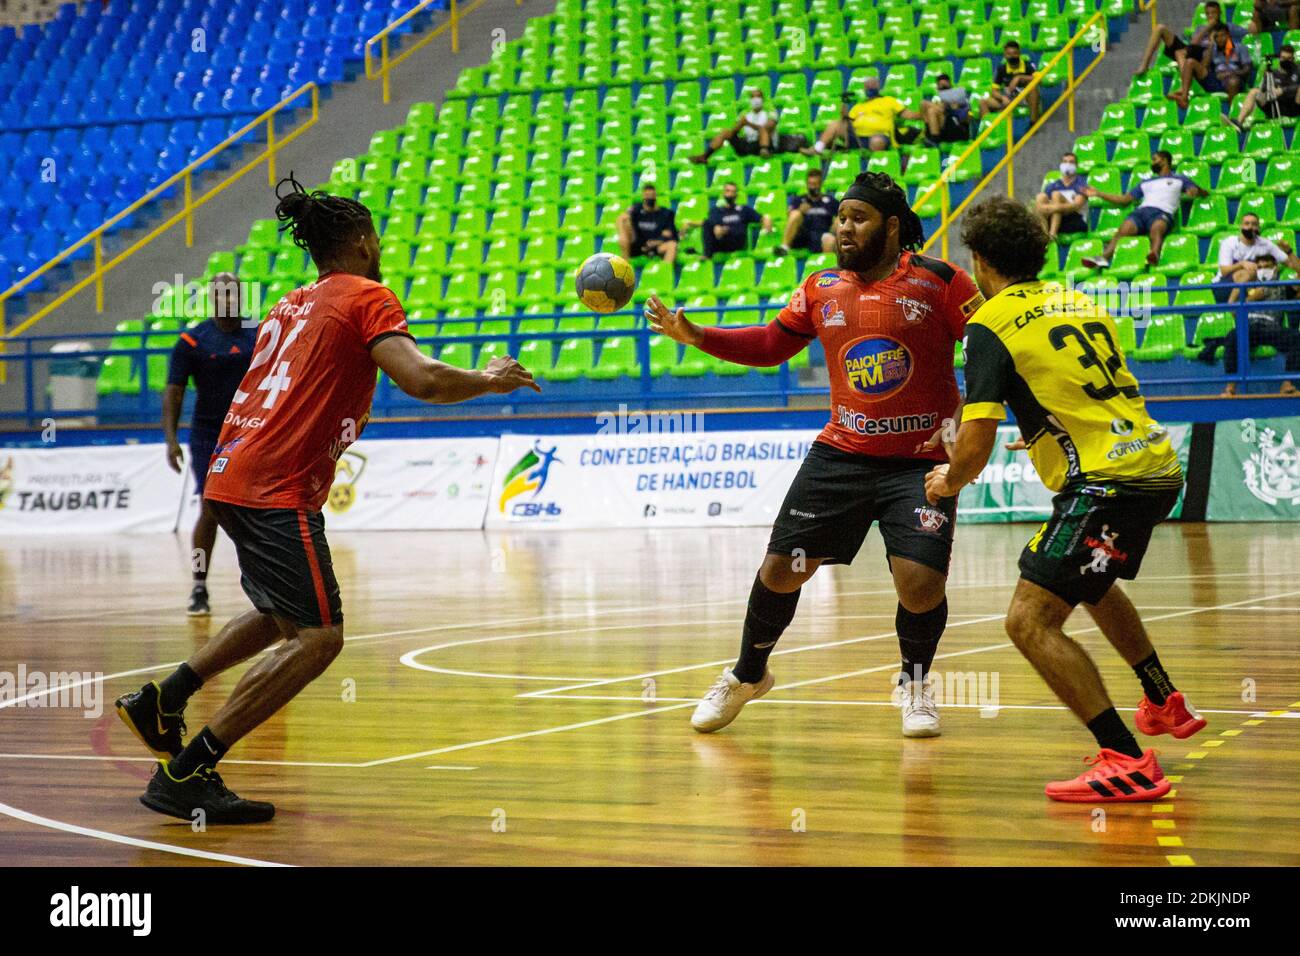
(773, 389)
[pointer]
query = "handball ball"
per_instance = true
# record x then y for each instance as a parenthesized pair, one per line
(605, 282)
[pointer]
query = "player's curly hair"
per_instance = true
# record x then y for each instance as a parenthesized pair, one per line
(1009, 236)
(318, 222)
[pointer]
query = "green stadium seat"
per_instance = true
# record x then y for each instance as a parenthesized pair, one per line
(574, 360)
(737, 277)
(618, 359)
(1219, 145)
(1264, 140)
(778, 279)
(1282, 174)
(1130, 257)
(1207, 215)
(1117, 119)
(1261, 203)
(1131, 151)
(696, 278)
(1164, 338)
(1179, 253)
(1236, 177)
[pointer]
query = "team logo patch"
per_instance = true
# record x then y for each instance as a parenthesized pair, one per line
(971, 305)
(914, 310)
(877, 366)
(832, 314)
(828, 279)
(931, 519)
(1103, 551)
(219, 465)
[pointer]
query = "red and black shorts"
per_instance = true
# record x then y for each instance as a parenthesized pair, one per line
(284, 562)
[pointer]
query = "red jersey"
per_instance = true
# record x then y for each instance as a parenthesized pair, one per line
(889, 351)
(306, 395)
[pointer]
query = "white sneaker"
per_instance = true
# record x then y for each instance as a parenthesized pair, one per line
(1095, 262)
(725, 698)
(920, 715)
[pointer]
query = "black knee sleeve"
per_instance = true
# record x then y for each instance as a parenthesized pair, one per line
(918, 636)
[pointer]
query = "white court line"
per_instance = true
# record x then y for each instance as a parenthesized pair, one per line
(49, 824)
(113, 758)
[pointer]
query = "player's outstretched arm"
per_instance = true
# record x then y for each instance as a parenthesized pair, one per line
(755, 346)
(966, 459)
(441, 384)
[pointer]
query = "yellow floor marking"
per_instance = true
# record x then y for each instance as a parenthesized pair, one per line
(1174, 778)
(1169, 840)
(1251, 723)
(1180, 861)
(1277, 713)
(1213, 743)
(1197, 755)
(1163, 824)
(1230, 733)
(1162, 808)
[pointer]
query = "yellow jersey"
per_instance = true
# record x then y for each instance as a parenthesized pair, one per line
(1052, 355)
(875, 117)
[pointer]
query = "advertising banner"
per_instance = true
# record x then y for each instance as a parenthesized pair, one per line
(401, 485)
(1256, 471)
(87, 490)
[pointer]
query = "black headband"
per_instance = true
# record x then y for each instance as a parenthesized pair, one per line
(888, 203)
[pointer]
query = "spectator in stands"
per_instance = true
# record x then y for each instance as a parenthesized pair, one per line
(1227, 69)
(872, 122)
(727, 228)
(1015, 73)
(648, 229)
(1249, 257)
(1157, 199)
(811, 219)
(947, 116)
(1285, 101)
(1062, 202)
(1264, 327)
(1197, 48)
(753, 133)
(1270, 16)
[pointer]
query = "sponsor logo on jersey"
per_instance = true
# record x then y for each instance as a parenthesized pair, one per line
(917, 280)
(877, 366)
(914, 310)
(832, 314)
(244, 421)
(828, 279)
(971, 305)
(931, 519)
(219, 465)
(861, 424)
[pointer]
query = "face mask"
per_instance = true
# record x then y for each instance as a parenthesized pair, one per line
(729, 200)
(756, 102)
(1155, 168)
(649, 203)
(1013, 61)
(1250, 233)
(1266, 274)
(872, 93)
(1068, 169)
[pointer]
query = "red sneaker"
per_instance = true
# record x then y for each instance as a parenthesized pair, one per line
(1113, 778)
(1176, 717)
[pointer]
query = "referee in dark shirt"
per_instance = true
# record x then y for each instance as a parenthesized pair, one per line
(648, 229)
(215, 354)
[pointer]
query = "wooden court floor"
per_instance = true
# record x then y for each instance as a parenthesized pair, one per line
(524, 698)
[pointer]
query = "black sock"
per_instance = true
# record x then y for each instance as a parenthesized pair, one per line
(177, 688)
(203, 751)
(201, 578)
(918, 638)
(768, 616)
(1155, 682)
(1113, 734)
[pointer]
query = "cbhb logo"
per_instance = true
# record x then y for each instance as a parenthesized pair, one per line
(877, 366)
(529, 474)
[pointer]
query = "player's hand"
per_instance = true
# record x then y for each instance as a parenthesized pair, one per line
(937, 486)
(663, 321)
(1017, 445)
(505, 375)
(174, 456)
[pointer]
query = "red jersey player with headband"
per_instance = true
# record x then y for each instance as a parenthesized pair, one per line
(888, 319)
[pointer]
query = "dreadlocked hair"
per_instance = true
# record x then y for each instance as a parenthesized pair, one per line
(911, 235)
(318, 222)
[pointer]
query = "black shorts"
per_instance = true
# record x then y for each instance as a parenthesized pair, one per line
(202, 445)
(1072, 222)
(746, 147)
(953, 130)
(284, 562)
(639, 248)
(1090, 540)
(836, 496)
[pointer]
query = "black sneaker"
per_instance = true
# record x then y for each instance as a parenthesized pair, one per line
(161, 733)
(199, 602)
(201, 790)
